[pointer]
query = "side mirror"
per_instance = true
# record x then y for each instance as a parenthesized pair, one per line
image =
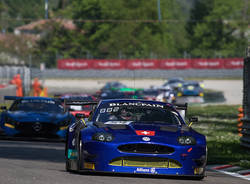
(3, 108)
(192, 120)
(80, 116)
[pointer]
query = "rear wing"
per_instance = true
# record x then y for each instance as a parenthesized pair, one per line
(78, 102)
(182, 109)
(12, 97)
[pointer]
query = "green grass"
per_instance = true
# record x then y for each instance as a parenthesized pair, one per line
(214, 111)
(219, 124)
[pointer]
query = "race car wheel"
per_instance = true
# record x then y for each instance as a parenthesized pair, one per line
(198, 177)
(80, 158)
(67, 164)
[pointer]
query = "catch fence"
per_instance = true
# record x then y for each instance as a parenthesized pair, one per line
(7, 72)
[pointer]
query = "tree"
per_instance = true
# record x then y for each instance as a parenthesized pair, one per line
(58, 41)
(121, 28)
(215, 27)
(129, 30)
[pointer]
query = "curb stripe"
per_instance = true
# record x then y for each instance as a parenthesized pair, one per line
(222, 167)
(235, 174)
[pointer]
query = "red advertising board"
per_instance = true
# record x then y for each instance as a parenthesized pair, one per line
(183, 64)
(167, 64)
(135, 64)
(162, 64)
(74, 64)
(175, 63)
(233, 63)
(207, 63)
(109, 64)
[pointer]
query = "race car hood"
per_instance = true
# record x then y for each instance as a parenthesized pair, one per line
(21, 116)
(156, 132)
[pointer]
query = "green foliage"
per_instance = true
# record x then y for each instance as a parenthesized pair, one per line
(219, 124)
(217, 28)
(129, 29)
(214, 111)
(58, 40)
(122, 34)
(223, 142)
(19, 12)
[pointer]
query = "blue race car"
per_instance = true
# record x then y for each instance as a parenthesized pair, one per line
(191, 88)
(35, 117)
(135, 136)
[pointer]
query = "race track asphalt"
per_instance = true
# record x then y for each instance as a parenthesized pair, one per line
(36, 162)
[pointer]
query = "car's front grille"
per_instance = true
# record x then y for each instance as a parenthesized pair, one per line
(36, 128)
(146, 148)
(145, 162)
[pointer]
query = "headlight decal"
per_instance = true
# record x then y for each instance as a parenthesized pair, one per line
(186, 140)
(9, 125)
(10, 121)
(103, 137)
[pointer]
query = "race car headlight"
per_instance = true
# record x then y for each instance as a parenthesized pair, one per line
(186, 140)
(10, 121)
(103, 137)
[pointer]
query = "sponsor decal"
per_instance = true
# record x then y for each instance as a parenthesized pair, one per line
(118, 122)
(152, 170)
(75, 64)
(111, 109)
(72, 154)
(142, 170)
(145, 132)
(146, 170)
(38, 101)
(139, 104)
(37, 126)
(146, 139)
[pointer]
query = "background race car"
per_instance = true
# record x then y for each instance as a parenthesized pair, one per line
(191, 88)
(35, 117)
(136, 136)
(74, 109)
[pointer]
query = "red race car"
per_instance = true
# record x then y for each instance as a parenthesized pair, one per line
(83, 109)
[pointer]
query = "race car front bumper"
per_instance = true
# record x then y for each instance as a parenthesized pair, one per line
(106, 157)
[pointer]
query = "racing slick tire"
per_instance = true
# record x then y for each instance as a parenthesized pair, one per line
(67, 163)
(80, 157)
(198, 177)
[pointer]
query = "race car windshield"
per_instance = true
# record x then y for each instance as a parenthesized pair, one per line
(137, 114)
(37, 106)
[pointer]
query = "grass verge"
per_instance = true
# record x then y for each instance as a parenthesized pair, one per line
(219, 124)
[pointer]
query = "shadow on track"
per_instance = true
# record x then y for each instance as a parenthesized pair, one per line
(136, 175)
(24, 149)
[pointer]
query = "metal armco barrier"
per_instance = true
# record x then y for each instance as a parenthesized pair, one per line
(245, 139)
